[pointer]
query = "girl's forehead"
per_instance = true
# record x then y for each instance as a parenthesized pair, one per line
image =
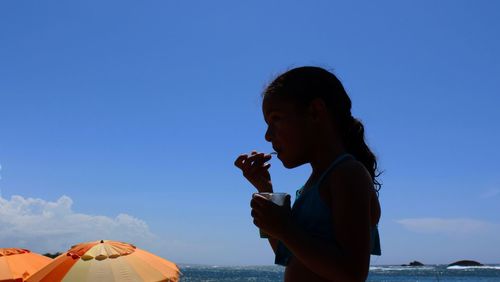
(274, 103)
(278, 104)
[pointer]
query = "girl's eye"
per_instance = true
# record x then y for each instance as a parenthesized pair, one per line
(275, 118)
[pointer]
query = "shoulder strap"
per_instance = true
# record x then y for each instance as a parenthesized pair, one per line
(337, 161)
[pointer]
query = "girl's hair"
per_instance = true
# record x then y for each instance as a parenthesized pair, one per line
(304, 84)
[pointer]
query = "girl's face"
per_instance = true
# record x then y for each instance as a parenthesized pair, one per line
(287, 130)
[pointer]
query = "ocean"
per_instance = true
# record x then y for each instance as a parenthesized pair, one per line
(384, 273)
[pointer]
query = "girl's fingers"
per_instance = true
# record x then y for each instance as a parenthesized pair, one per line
(247, 163)
(251, 161)
(253, 213)
(256, 213)
(263, 204)
(252, 157)
(240, 160)
(258, 201)
(258, 158)
(245, 166)
(256, 170)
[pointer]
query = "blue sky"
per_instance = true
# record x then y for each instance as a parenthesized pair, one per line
(121, 120)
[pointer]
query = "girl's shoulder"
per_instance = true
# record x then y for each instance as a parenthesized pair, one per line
(351, 169)
(350, 176)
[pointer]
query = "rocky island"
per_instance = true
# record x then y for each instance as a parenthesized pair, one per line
(413, 263)
(465, 263)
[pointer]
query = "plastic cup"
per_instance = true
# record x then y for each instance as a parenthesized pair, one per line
(277, 198)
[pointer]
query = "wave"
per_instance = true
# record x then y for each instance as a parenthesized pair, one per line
(457, 267)
(386, 268)
(400, 268)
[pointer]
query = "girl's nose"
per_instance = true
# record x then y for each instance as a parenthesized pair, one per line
(267, 136)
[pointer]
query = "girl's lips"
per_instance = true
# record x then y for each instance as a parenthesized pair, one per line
(277, 153)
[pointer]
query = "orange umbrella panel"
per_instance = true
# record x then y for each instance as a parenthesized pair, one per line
(108, 261)
(19, 264)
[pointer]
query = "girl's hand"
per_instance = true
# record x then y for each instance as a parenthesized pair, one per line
(272, 219)
(256, 170)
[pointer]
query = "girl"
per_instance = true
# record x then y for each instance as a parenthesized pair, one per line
(331, 230)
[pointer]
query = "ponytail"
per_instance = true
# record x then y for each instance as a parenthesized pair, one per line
(354, 141)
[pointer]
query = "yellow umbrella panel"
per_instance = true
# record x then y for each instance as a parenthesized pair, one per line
(107, 261)
(17, 264)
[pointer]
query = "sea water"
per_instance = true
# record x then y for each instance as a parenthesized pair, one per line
(377, 273)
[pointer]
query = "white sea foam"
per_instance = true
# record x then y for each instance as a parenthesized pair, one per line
(384, 268)
(400, 268)
(457, 267)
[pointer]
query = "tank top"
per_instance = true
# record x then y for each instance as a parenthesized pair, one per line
(311, 214)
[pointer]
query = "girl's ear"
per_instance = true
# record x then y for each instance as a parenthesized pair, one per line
(317, 109)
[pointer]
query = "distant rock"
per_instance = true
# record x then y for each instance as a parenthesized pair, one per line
(414, 263)
(465, 263)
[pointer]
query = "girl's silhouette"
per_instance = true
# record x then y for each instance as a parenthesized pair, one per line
(331, 230)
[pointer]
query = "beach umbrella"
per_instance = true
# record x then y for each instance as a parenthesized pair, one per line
(107, 261)
(17, 264)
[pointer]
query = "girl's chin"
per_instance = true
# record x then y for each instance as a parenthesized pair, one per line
(289, 164)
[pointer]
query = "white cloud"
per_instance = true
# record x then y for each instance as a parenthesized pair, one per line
(46, 226)
(450, 226)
